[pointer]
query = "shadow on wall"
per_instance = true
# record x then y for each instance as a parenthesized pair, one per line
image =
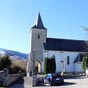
(18, 84)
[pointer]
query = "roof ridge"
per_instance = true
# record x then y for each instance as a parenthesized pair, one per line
(68, 39)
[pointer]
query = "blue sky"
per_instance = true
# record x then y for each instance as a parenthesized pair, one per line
(62, 18)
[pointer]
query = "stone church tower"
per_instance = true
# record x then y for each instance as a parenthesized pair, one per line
(38, 38)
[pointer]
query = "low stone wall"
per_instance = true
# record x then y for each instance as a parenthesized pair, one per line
(6, 79)
(1, 77)
(72, 75)
(12, 78)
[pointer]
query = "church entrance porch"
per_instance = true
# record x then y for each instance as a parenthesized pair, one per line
(38, 66)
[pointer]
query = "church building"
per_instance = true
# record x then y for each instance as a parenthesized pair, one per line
(68, 52)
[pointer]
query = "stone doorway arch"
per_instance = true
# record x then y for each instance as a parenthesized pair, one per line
(38, 66)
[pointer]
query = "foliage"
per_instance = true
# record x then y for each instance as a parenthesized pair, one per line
(53, 62)
(18, 65)
(85, 62)
(45, 65)
(49, 65)
(5, 62)
(14, 66)
(15, 69)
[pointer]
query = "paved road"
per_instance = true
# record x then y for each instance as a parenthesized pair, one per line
(25, 82)
(81, 82)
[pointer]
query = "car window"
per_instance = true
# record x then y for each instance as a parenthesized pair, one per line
(48, 74)
(56, 75)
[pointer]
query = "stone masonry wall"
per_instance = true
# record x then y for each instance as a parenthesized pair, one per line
(38, 38)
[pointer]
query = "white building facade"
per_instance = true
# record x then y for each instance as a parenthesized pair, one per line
(64, 61)
(68, 53)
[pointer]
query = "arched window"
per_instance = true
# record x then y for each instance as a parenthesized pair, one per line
(38, 36)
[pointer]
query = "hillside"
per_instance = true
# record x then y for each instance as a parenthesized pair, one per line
(13, 54)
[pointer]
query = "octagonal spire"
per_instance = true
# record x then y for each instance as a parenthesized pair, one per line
(39, 23)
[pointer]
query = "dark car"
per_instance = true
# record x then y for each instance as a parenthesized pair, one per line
(53, 78)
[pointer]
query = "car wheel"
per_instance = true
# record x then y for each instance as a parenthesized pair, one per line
(62, 82)
(50, 83)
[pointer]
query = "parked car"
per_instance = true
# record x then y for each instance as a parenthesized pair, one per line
(53, 78)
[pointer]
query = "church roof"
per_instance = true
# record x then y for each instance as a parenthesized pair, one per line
(80, 56)
(39, 23)
(65, 45)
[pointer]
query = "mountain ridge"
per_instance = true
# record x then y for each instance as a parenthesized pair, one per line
(14, 53)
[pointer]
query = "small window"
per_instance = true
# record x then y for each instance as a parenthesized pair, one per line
(38, 36)
(68, 60)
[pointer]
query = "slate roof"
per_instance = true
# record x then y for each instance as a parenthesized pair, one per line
(65, 45)
(39, 23)
(80, 56)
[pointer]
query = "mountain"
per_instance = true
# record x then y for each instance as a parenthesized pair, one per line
(13, 53)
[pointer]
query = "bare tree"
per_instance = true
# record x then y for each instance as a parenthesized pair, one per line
(85, 28)
(85, 44)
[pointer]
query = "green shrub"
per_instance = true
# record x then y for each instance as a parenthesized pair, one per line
(85, 62)
(14, 66)
(5, 62)
(49, 65)
(45, 65)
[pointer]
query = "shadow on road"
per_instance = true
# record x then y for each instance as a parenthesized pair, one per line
(47, 85)
(18, 84)
(68, 83)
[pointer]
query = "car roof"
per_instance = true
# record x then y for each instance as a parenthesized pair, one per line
(53, 74)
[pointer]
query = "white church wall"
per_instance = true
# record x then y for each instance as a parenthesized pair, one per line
(62, 56)
(72, 57)
(78, 67)
(57, 56)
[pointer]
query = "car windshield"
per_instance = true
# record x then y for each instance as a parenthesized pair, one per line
(56, 75)
(49, 75)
